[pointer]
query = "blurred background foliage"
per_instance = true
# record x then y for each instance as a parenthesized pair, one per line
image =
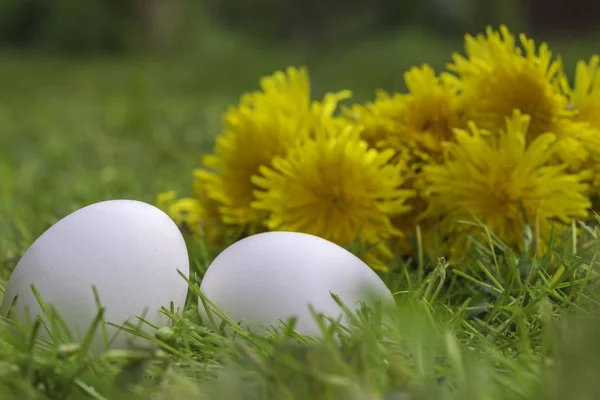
(113, 26)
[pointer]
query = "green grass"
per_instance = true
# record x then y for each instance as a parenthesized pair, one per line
(77, 131)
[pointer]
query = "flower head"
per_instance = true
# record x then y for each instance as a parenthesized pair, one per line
(498, 176)
(198, 215)
(333, 186)
(217, 233)
(497, 76)
(421, 119)
(185, 212)
(265, 124)
(262, 126)
(415, 124)
(584, 96)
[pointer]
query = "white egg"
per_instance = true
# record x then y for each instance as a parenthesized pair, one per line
(129, 250)
(265, 279)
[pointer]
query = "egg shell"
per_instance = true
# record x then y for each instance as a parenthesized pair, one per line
(129, 250)
(268, 277)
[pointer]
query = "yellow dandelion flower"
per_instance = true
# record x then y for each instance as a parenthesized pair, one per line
(165, 198)
(585, 94)
(198, 215)
(186, 212)
(497, 76)
(422, 119)
(326, 108)
(216, 233)
(494, 176)
(415, 124)
(379, 119)
(290, 90)
(584, 98)
(333, 186)
(430, 111)
(264, 125)
(377, 256)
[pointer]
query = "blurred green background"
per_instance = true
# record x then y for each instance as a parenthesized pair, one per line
(119, 98)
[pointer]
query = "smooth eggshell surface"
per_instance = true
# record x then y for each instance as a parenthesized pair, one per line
(269, 277)
(129, 250)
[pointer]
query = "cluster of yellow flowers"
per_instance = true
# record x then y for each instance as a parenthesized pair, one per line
(501, 135)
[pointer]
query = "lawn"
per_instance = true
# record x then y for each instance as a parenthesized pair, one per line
(75, 131)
